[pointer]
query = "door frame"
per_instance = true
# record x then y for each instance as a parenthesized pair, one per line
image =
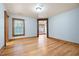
(5, 28)
(42, 19)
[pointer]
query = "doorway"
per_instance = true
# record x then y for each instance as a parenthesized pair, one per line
(42, 27)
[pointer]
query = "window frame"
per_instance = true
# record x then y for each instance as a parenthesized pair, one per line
(13, 19)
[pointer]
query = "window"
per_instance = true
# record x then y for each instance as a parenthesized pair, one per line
(18, 27)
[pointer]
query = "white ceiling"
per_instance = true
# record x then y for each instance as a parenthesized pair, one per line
(28, 9)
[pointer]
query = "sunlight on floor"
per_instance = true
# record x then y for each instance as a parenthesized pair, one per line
(42, 40)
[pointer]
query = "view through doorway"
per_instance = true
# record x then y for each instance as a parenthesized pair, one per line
(43, 27)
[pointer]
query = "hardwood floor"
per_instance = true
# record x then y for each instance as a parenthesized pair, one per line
(41, 46)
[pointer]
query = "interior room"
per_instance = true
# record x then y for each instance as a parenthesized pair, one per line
(42, 28)
(39, 29)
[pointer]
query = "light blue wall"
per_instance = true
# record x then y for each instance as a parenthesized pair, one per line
(1, 25)
(65, 26)
(30, 26)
